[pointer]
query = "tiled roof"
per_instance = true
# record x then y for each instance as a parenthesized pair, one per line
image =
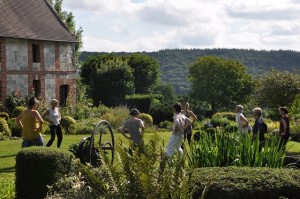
(32, 19)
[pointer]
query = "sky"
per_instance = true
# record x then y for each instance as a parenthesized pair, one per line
(152, 25)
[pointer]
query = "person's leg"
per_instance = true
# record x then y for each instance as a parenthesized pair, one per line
(171, 145)
(189, 138)
(52, 131)
(179, 142)
(38, 141)
(59, 135)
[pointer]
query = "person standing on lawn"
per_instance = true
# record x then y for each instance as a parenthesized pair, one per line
(284, 126)
(181, 122)
(189, 114)
(52, 115)
(241, 120)
(259, 127)
(31, 123)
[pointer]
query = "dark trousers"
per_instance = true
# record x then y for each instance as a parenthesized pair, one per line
(55, 129)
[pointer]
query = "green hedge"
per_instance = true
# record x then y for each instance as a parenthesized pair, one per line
(139, 101)
(229, 115)
(37, 167)
(246, 183)
(68, 124)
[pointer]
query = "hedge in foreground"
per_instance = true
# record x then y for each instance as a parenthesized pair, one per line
(37, 167)
(246, 183)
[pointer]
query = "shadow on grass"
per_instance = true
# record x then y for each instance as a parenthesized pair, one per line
(8, 156)
(7, 170)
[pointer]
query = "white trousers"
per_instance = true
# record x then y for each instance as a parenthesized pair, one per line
(175, 142)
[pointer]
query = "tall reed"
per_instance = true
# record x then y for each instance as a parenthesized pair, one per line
(235, 149)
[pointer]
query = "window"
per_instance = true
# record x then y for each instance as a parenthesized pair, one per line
(37, 88)
(35, 53)
(64, 91)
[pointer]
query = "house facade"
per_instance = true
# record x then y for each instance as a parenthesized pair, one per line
(36, 52)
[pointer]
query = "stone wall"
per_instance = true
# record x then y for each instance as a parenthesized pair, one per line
(16, 54)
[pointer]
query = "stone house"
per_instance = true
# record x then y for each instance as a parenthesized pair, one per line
(36, 51)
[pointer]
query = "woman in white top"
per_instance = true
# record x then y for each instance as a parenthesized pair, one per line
(241, 120)
(53, 116)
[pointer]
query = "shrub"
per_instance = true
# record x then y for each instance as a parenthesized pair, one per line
(211, 130)
(246, 183)
(148, 120)
(116, 117)
(4, 115)
(16, 111)
(37, 167)
(219, 121)
(166, 124)
(228, 115)
(295, 133)
(84, 129)
(68, 124)
(16, 131)
(4, 128)
(231, 128)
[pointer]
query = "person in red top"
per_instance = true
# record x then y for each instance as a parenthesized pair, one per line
(284, 127)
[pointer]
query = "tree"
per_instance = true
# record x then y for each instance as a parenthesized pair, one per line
(220, 82)
(68, 19)
(278, 88)
(146, 72)
(109, 79)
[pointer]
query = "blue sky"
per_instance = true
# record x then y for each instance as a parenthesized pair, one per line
(152, 25)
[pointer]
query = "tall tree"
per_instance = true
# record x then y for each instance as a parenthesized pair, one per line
(109, 79)
(278, 88)
(220, 82)
(146, 72)
(68, 19)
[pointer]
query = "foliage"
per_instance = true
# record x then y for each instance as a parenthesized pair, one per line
(139, 101)
(4, 129)
(145, 71)
(143, 173)
(278, 88)
(219, 121)
(222, 149)
(14, 127)
(147, 119)
(109, 79)
(295, 107)
(68, 19)
(229, 115)
(246, 183)
(16, 99)
(37, 167)
(221, 83)
(17, 110)
(4, 115)
(295, 131)
(68, 124)
(116, 117)
(7, 188)
(166, 124)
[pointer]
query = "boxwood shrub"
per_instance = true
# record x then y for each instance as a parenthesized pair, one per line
(228, 115)
(4, 128)
(37, 167)
(245, 182)
(68, 124)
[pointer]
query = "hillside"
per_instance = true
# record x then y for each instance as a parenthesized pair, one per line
(175, 63)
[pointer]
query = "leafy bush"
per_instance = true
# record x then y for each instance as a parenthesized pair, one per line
(68, 124)
(4, 128)
(219, 121)
(166, 124)
(116, 117)
(16, 131)
(246, 183)
(17, 110)
(4, 115)
(222, 149)
(84, 129)
(7, 187)
(295, 133)
(37, 167)
(231, 128)
(229, 115)
(148, 120)
(145, 172)
(211, 131)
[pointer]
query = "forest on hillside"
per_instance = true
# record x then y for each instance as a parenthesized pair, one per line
(175, 63)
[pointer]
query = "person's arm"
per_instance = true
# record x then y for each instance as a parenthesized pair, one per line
(194, 117)
(244, 120)
(18, 120)
(45, 114)
(284, 127)
(38, 117)
(142, 127)
(122, 130)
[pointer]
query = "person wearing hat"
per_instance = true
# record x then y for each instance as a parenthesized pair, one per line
(52, 115)
(31, 123)
(135, 127)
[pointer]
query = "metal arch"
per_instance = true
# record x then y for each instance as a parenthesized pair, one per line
(106, 146)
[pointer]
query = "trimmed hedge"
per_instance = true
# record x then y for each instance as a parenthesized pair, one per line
(37, 167)
(229, 115)
(68, 124)
(246, 183)
(4, 128)
(148, 120)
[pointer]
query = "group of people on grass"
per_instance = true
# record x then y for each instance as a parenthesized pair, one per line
(31, 123)
(259, 127)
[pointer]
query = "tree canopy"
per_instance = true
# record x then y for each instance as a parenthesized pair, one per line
(278, 88)
(220, 82)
